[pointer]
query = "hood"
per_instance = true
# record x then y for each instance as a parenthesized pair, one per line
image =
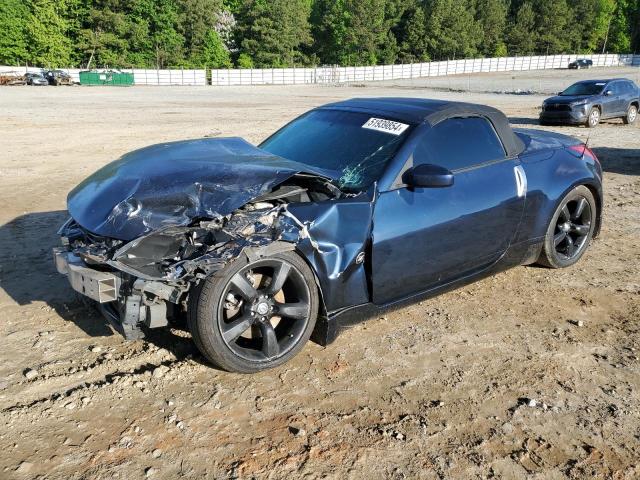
(176, 183)
(566, 99)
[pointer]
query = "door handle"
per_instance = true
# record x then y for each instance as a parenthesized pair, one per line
(521, 180)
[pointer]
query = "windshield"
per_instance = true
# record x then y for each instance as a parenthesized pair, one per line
(586, 88)
(355, 146)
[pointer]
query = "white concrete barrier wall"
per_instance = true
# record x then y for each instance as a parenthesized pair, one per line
(330, 75)
(292, 76)
(169, 77)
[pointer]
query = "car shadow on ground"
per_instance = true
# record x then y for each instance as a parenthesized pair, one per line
(523, 121)
(625, 161)
(515, 121)
(28, 276)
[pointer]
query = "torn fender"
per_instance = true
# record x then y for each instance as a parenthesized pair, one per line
(336, 234)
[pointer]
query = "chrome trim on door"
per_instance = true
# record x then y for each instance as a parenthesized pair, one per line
(521, 180)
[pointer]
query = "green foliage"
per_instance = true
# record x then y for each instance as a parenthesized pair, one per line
(522, 36)
(618, 38)
(633, 14)
(245, 61)
(356, 32)
(552, 22)
(274, 33)
(454, 32)
(46, 34)
(598, 15)
(106, 39)
(214, 53)
(196, 19)
(412, 36)
(13, 25)
(166, 42)
(280, 33)
(492, 17)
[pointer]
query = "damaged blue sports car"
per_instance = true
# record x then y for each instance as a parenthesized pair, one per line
(353, 207)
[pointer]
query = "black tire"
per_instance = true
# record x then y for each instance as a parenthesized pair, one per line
(631, 116)
(593, 119)
(227, 316)
(570, 230)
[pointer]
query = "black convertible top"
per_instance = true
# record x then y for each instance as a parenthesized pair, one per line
(419, 110)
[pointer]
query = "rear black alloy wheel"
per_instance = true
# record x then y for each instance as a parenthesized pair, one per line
(253, 316)
(570, 230)
(632, 115)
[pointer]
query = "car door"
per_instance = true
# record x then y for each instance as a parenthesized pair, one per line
(627, 96)
(620, 92)
(612, 104)
(425, 237)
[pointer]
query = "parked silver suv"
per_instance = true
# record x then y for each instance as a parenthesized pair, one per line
(590, 101)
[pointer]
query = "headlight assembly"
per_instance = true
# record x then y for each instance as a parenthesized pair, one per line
(579, 103)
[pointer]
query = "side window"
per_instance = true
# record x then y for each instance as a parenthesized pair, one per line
(616, 88)
(459, 143)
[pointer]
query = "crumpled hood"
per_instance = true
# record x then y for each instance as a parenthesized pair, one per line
(175, 183)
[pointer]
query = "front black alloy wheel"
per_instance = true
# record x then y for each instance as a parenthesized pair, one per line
(254, 316)
(570, 230)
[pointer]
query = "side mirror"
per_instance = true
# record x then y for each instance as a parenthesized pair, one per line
(428, 176)
(608, 93)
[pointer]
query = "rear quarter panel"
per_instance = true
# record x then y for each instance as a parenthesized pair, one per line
(551, 174)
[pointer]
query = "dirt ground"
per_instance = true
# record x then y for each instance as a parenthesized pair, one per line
(532, 373)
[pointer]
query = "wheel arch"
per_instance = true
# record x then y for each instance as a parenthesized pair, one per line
(599, 204)
(325, 330)
(595, 191)
(321, 293)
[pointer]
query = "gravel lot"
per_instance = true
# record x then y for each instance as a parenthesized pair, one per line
(530, 374)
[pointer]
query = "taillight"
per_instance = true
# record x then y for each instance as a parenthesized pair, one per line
(583, 151)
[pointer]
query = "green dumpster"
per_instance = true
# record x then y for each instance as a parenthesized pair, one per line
(106, 78)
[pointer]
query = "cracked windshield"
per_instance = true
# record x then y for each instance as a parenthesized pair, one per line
(354, 147)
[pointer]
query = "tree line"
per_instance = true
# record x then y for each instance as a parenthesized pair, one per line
(283, 33)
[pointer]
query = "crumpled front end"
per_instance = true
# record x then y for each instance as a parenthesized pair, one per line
(147, 280)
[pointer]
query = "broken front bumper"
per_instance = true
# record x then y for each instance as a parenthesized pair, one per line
(103, 287)
(125, 313)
